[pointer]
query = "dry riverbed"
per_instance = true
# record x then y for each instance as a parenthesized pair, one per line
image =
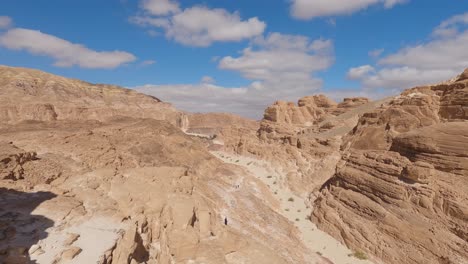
(295, 209)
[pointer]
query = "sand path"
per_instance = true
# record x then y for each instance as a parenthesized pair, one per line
(295, 209)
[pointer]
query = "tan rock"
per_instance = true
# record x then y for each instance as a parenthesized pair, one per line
(46, 97)
(400, 192)
(148, 191)
(71, 238)
(70, 254)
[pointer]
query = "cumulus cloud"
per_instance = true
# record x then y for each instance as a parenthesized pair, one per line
(201, 26)
(360, 72)
(5, 22)
(65, 53)
(278, 66)
(392, 3)
(451, 27)
(307, 9)
(441, 58)
(283, 63)
(160, 7)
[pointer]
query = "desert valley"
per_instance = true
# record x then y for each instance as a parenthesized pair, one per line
(234, 132)
(102, 174)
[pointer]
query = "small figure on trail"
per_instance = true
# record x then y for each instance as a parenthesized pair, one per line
(225, 221)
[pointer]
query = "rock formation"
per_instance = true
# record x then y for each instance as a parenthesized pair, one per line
(387, 178)
(401, 189)
(46, 97)
(304, 139)
(100, 174)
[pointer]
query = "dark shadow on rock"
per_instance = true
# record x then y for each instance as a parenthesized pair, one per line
(19, 228)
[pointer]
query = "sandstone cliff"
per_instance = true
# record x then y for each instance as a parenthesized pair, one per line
(401, 190)
(28, 94)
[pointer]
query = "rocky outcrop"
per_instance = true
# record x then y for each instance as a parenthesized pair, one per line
(308, 110)
(399, 192)
(12, 160)
(307, 150)
(27, 94)
(312, 113)
(442, 145)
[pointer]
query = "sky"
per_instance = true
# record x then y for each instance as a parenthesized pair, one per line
(240, 56)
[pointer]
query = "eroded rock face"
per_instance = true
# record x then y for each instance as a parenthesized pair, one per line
(400, 191)
(12, 160)
(89, 179)
(307, 150)
(308, 110)
(312, 113)
(46, 97)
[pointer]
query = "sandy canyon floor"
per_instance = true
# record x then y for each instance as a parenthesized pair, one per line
(293, 207)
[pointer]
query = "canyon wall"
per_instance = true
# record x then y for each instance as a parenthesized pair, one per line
(401, 189)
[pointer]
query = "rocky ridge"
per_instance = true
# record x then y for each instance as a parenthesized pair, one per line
(28, 94)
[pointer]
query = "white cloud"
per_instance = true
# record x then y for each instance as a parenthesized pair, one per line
(307, 9)
(446, 53)
(206, 97)
(451, 26)
(65, 53)
(439, 59)
(160, 7)
(392, 3)
(5, 22)
(281, 58)
(359, 72)
(405, 77)
(279, 67)
(201, 26)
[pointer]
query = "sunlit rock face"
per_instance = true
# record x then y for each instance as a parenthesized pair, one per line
(101, 174)
(400, 191)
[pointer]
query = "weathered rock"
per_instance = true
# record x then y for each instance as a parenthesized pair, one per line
(111, 167)
(27, 94)
(12, 160)
(400, 191)
(70, 254)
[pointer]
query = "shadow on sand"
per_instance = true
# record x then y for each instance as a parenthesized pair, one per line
(19, 228)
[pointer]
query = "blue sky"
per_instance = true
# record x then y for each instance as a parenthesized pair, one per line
(239, 56)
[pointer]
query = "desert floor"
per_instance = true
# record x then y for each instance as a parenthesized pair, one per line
(293, 208)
